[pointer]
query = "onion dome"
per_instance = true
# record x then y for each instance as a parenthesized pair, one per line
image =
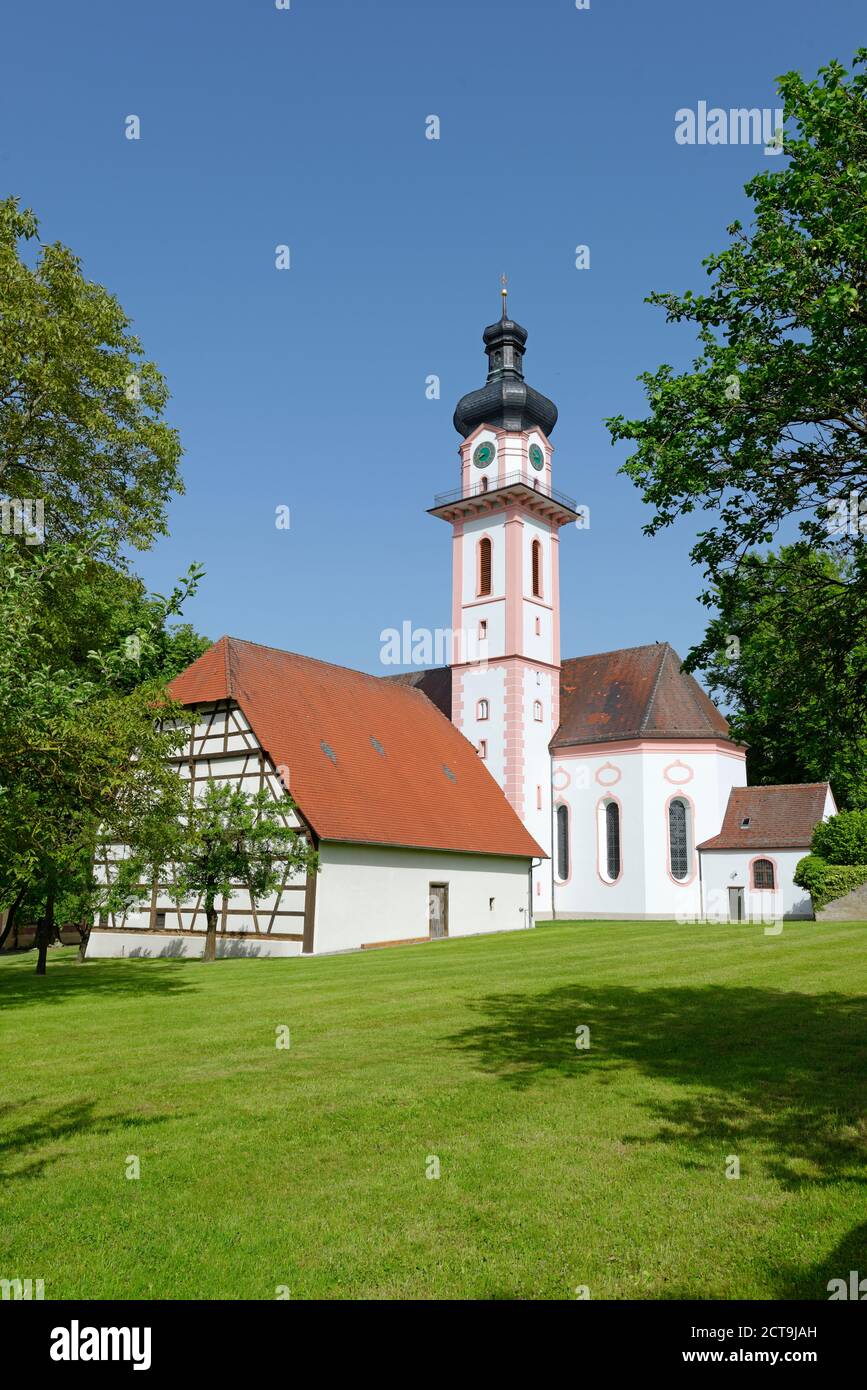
(505, 401)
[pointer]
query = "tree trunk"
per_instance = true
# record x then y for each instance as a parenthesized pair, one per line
(210, 952)
(84, 933)
(45, 932)
(10, 918)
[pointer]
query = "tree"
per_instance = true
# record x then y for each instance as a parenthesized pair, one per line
(769, 427)
(80, 746)
(791, 664)
(81, 426)
(227, 838)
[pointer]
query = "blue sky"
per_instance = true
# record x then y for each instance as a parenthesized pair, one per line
(306, 388)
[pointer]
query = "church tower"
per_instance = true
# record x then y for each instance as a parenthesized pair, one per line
(506, 518)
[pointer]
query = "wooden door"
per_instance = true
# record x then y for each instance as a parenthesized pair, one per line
(438, 910)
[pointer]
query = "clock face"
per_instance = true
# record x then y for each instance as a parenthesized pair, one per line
(484, 454)
(537, 458)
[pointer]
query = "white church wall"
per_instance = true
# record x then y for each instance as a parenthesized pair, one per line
(642, 778)
(372, 893)
(725, 869)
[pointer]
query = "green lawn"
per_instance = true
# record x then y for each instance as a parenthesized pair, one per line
(305, 1167)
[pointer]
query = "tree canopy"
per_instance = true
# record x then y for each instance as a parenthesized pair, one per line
(767, 430)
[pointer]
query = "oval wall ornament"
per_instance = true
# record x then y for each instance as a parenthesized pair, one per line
(678, 773)
(561, 779)
(608, 775)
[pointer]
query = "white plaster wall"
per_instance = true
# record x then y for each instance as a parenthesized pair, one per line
(370, 893)
(642, 781)
(487, 683)
(724, 869)
(105, 942)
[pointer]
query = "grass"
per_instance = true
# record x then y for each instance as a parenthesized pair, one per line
(305, 1167)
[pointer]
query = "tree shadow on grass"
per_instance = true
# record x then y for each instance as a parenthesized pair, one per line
(65, 978)
(22, 1138)
(782, 1071)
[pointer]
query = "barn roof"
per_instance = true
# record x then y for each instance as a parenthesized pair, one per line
(369, 761)
(781, 817)
(637, 692)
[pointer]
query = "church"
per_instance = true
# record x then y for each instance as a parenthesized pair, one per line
(507, 787)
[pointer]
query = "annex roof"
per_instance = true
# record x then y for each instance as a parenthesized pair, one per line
(781, 817)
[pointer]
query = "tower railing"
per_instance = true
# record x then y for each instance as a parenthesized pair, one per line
(484, 489)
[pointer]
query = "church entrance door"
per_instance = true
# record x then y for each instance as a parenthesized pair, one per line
(736, 904)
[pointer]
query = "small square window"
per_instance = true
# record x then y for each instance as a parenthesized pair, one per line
(160, 919)
(745, 823)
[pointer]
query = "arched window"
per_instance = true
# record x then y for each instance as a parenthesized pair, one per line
(678, 839)
(537, 568)
(537, 711)
(482, 709)
(763, 874)
(563, 842)
(612, 839)
(485, 549)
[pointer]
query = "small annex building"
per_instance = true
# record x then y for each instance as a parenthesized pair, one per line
(747, 869)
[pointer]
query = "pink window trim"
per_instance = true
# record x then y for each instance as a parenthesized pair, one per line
(480, 593)
(602, 841)
(754, 888)
(568, 809)
(690, 831)
(536, 564)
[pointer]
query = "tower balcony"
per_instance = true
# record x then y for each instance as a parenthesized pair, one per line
(516, 489)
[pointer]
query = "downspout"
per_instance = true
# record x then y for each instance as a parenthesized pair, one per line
(553, 839)
(533, 865)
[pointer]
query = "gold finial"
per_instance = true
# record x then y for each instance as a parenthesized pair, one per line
(504, 291)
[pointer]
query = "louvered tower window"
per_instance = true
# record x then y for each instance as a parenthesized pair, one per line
(485, 549)
(678, 847)
(537, 569)
(612, 839)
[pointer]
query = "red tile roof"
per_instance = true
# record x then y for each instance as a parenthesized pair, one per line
(638, 692)
(781, 817)
(369, 761)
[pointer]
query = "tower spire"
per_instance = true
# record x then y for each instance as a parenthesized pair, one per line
(504, 281)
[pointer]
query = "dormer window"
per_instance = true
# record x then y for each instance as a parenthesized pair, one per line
(745, 823)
